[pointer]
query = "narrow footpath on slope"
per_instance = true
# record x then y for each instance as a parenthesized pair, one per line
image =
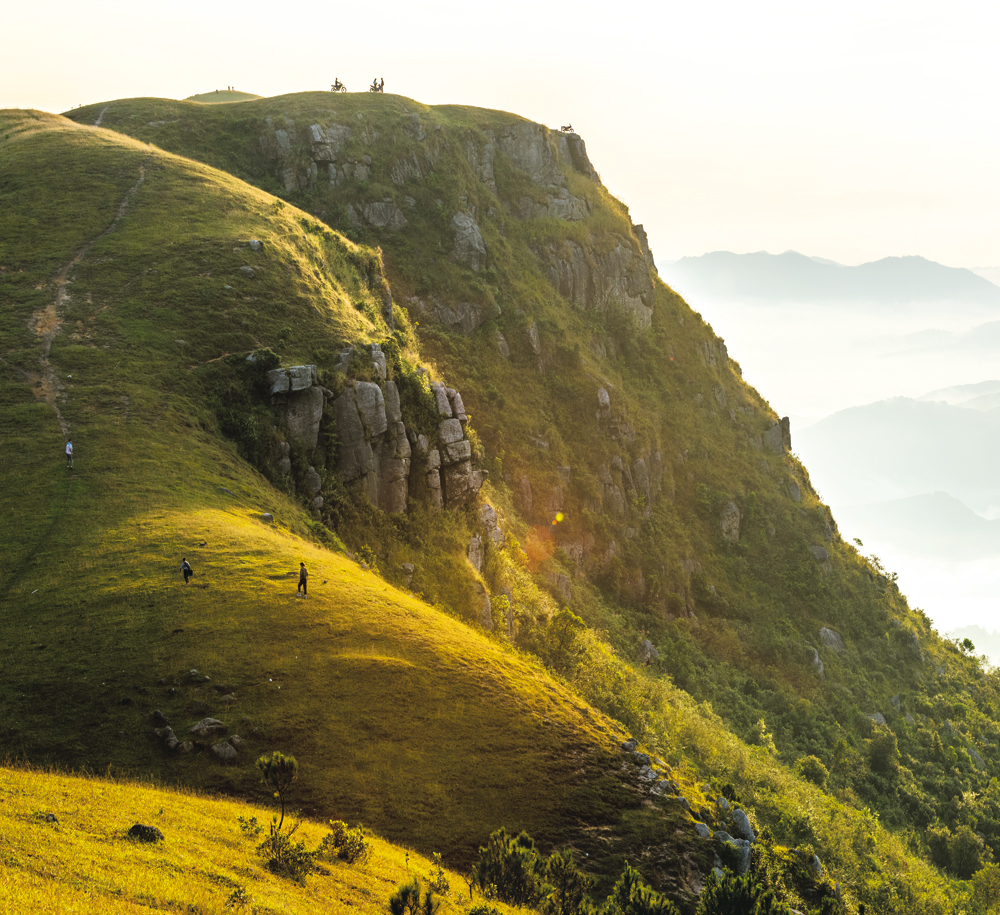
(47, 322)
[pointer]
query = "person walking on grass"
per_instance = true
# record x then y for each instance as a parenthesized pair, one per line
(303, 579)
(187, 570)
(69, 453)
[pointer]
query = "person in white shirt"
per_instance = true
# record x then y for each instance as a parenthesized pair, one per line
(69, 453)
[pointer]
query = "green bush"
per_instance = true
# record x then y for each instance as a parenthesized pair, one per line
(567, 886)
(731, 894)
(409, 899)
(811, 768)
(345, 844)
(632, 897)
(287, 857)
(508, 869)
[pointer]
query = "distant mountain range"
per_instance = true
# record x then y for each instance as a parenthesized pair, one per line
(899, 448)
(926, 525)
(794, 277)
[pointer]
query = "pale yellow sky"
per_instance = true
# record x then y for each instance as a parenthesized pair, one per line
(852, 131)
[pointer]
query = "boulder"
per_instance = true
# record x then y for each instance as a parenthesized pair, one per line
(394, 469)
(816, 661)
(224, 751)
(208, 727)
(702, 830)
(877, 718)
(629, 745)
(294, 378)
(793, 490)
(647, 653)
(729, 521)
(256, 245)
(831, 639)
(895, 703)
(741, 826)
(142, 833)
(469, 248)
(440, 393)
(247, 271)
(503, 347)
(457, 406)
(393, 410)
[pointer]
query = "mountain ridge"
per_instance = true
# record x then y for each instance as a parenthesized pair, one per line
(794, 277)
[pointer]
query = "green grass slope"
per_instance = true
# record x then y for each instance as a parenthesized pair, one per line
(401, 717)
(83, 861)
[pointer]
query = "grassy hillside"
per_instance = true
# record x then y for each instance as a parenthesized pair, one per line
(401, 718)
(622, 445)
(640, 564)
(83, 861)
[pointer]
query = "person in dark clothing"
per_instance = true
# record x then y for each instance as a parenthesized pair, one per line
(187, 570)
(303, 579)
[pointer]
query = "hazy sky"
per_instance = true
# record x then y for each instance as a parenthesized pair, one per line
(849, 130)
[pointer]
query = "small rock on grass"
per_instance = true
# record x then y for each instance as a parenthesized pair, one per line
(145, 833)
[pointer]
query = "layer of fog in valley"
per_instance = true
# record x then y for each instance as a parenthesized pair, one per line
(890, 376)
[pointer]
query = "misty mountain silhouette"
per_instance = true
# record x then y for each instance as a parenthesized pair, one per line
(795, 277)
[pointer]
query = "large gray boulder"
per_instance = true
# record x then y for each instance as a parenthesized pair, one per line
(208, 727)
(294, 378)
(465, 317)
(469, 247)
(741, 826)
(440, 393)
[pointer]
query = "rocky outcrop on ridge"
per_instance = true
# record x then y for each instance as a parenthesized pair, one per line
(375, 450)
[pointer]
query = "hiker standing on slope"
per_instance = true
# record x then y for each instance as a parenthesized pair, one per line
(303, 579)
(69, 453)
(187, 570)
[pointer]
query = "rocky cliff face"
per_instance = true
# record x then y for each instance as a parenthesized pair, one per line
(375, 450)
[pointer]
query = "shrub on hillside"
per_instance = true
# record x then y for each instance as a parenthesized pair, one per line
(732, 894)
(567, 886)
(811, 768)
(286, 856)
(345, 844)
(411, 899)
(632, 897)
(508, 869)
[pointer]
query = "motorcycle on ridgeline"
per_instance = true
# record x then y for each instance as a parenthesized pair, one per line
(338, 86)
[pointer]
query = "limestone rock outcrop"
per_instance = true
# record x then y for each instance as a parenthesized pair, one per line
(469, 248)
(615, 281)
